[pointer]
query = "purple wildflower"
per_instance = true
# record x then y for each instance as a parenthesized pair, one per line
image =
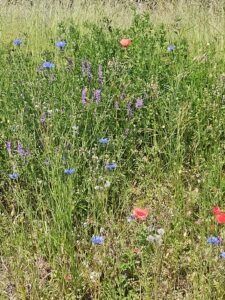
(8, 147)
(97, 95)
(84, 96)
(89, 71)
(122, 96)
(116, 105)
(100, 75)
(43, 118)
(222, 255)
(126, 132)
(130, 218)
(139, 103)
(21, 150)
(129, 110)
(86, 69)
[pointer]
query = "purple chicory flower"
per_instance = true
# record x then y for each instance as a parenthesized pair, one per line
(139, 103)
(100, 75)
(84, 96)
(222, 255)
(8, 147)
(97, 95)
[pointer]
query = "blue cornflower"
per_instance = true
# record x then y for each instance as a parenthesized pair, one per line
(61, 45)
(214, 240)
(17, 42)
(171, 48)
(97, 240)
(104, 141)
(48, 65)
(111, 166)
(14, 176)
(222, 254)
(69, 171)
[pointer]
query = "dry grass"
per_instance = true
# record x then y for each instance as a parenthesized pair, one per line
(200, 24)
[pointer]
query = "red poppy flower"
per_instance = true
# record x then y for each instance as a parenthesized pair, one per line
(140, 213)
(219, 215)
(125, 42)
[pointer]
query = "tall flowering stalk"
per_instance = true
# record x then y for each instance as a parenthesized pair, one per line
(84, 96)
(97, 95)
(129, 110)
(86, 69)
(21, 151)
(89, 71)
(83, 68)
(8, 147)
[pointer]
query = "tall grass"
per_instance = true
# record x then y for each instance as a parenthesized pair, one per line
(169, 153)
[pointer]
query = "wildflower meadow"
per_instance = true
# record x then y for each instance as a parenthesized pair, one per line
(112, 157)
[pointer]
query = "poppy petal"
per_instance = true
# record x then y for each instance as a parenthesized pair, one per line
(216, 210)
(125, 42)
(220, 218)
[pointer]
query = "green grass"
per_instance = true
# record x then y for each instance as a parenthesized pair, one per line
(170, 157)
